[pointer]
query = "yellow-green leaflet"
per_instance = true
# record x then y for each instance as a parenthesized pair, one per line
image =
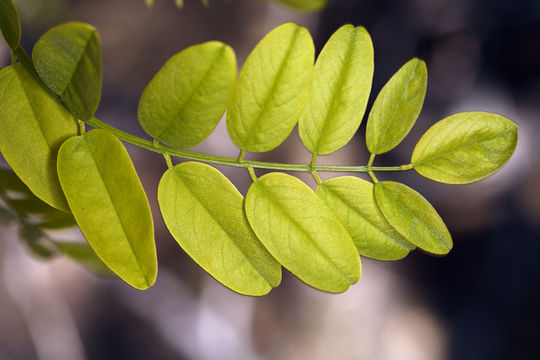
(413, 217)
(339, 92)
(109, 204)
(183, 103)
(302, 233)
(397, 107)
(149, 3)
(304, 5)
(272, 88)
(68, 59)
(465, 147)
(204, 212)
(10, 24)
(33, 127)
(353, 202)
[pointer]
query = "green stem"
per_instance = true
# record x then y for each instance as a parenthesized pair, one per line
(252, 174)
(211, 159)
(219, 160)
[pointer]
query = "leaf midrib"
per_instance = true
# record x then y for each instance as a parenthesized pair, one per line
(336, 195)
(192, 93)
(396, 107)
(341, 79)
(269, 94)
(214, 219)
(117, 214)
(397, 201)
(77, 65)
(463, 147)
(295, 223)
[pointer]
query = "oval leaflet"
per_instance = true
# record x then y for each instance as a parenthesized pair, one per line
(465, 147)
(339, 92)
(272, 88)
(397, 107)
(413, 217)
(183, 103)
(302, 233)
(68, 60)
(33, 127)
(109, 204)
(204, 212)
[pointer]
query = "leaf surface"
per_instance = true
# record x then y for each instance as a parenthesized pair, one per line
(353, 202)
(68, 59)
(302, 233)
(183, 103)
(340, 91)
(33, 127)
(465, 147)
(305, 5)
(10, 24)
(204, 212)
(272, 89)
(413, 217)
(109, 204)
(397, 107)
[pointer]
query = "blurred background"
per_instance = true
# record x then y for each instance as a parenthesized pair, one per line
(482, 301)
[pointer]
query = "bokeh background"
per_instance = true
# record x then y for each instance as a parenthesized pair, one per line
(482, 301)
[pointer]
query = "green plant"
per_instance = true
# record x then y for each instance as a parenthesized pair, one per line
(46, 101)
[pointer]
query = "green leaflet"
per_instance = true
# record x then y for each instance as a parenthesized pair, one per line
(272, 88)
(413, 217)
(397, 107)
(109, 204)
(465, 147)
(33, 127)
(305, 5)
(340, 91)
(302, 233)
(204, 212)
(183, 103)
(353, 202)
(10, 24)
(149, 3)
(68, 59)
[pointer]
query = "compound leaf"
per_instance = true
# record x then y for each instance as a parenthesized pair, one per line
(183, 103)
(340, 91)
(204, 212)
(272, 88)
(302, 233)
(397, 107)
(465, 147)
(353, 202)
(305, 5)
(109, 204)
(33, 127)
(413, 217)
(68, 59)
(10, 24)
